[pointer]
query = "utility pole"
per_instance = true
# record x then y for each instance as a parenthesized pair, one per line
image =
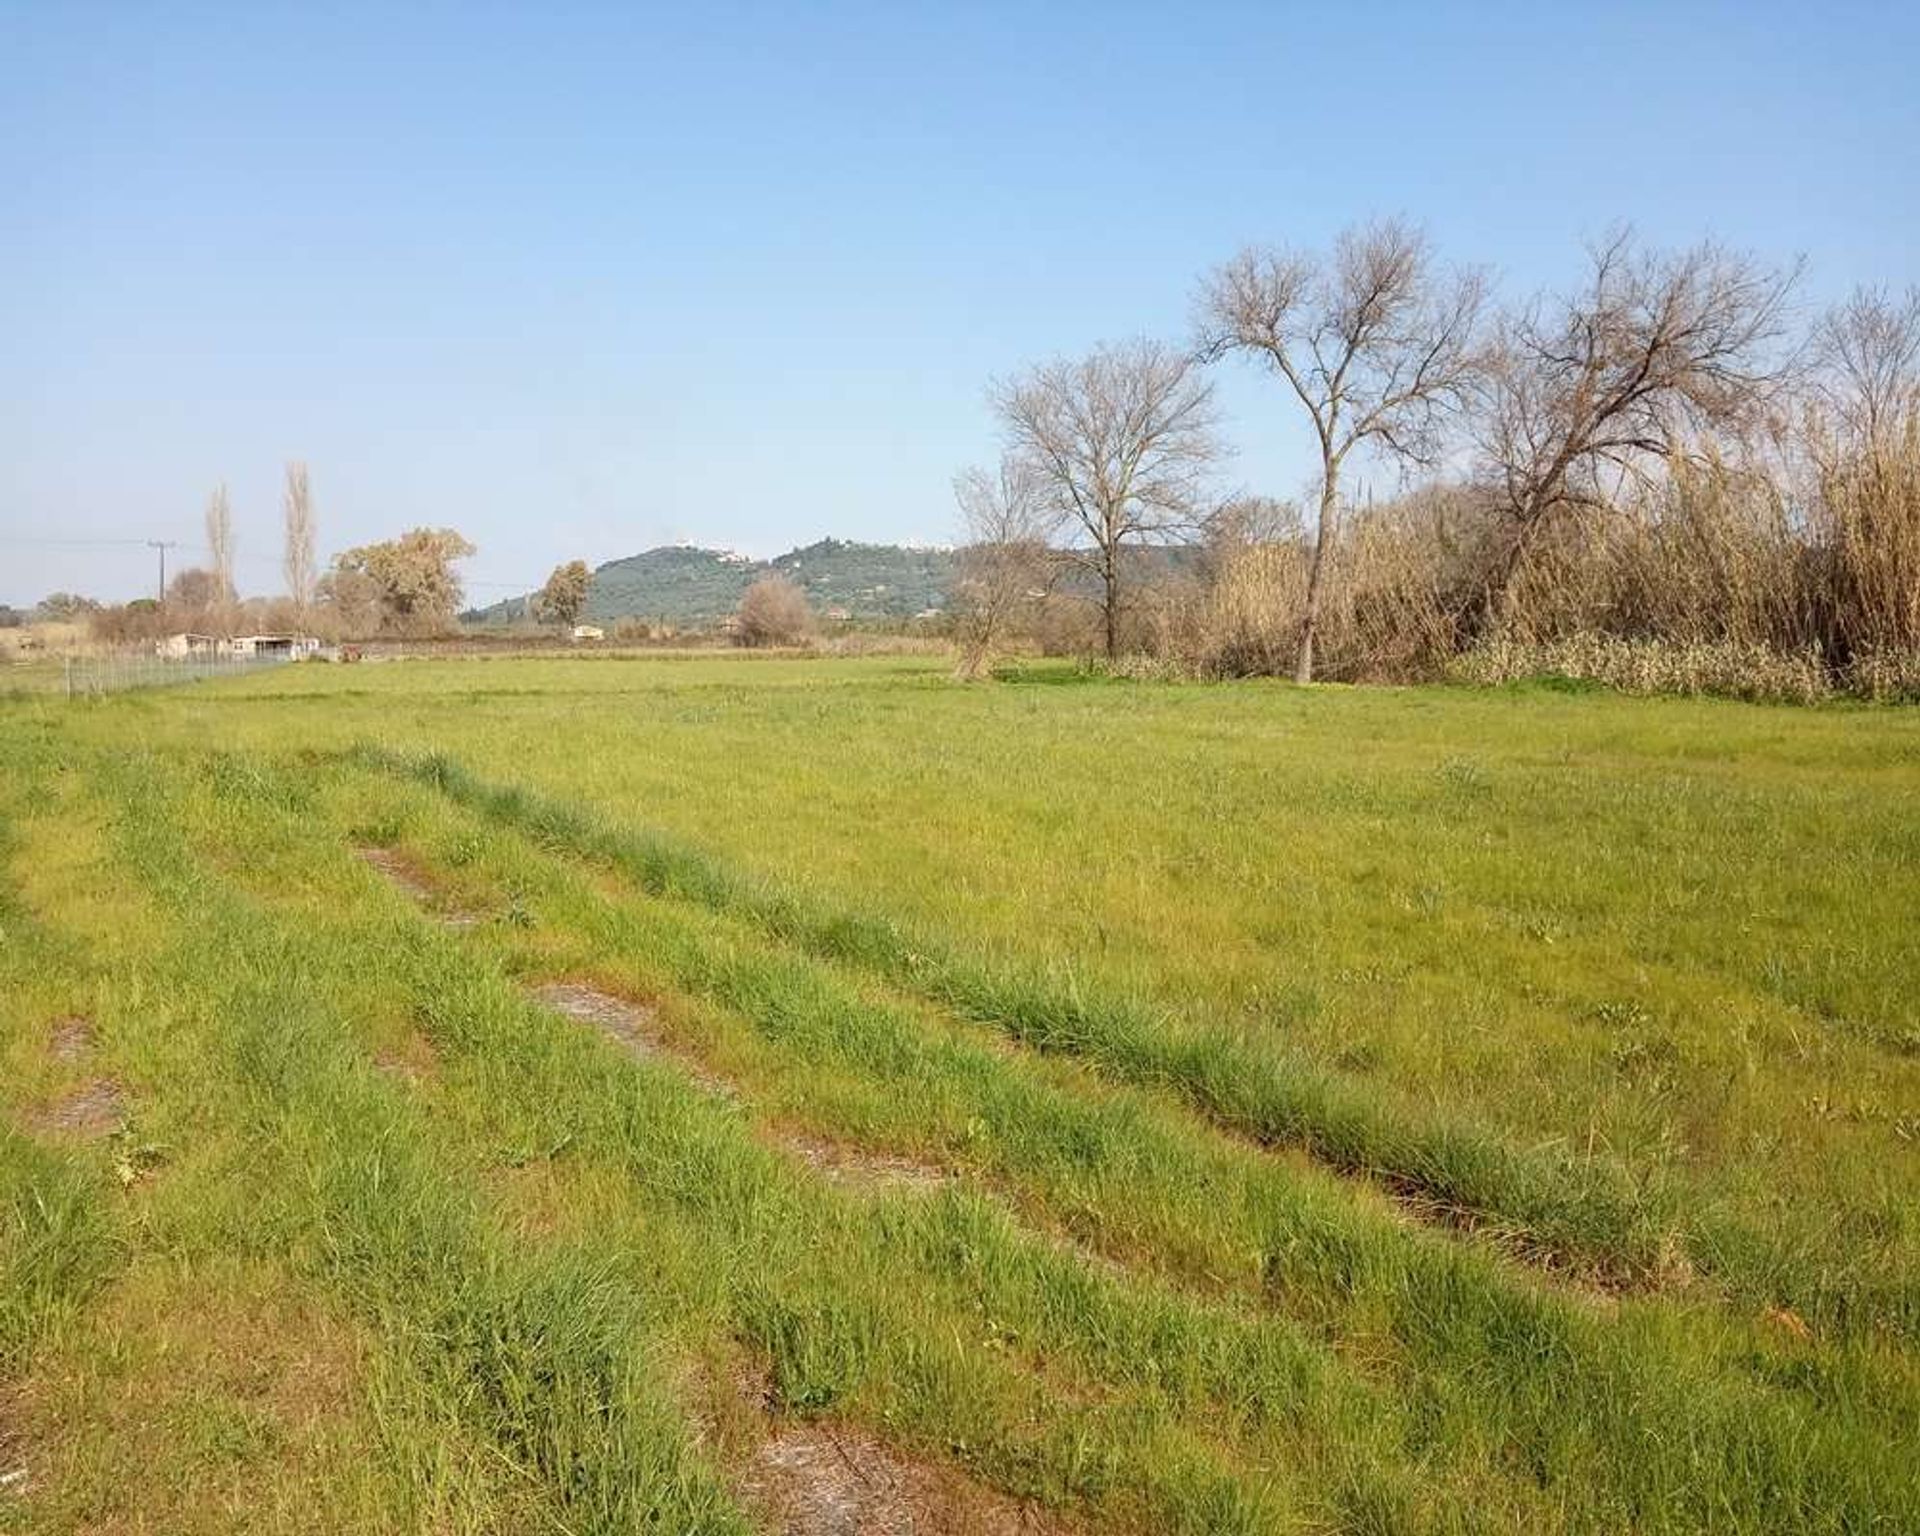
(163, 545)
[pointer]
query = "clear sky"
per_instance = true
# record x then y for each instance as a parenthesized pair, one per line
(581, 280)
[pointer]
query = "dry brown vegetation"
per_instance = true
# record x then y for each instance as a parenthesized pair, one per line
(773, 611)
(1650, 480)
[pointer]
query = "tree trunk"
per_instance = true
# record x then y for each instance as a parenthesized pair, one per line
(1316, 575)
(1110, 576)
(1494, 611)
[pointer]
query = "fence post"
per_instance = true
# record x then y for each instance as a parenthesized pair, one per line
(68, 658)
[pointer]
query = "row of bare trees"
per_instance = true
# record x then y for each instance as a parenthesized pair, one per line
(1663, 411)
(206, 598)
(407, 585)
(212, 590)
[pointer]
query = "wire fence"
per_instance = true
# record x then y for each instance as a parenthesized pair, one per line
(95, 674)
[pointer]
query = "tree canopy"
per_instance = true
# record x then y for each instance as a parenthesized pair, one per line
(562, 600)
(411, 578)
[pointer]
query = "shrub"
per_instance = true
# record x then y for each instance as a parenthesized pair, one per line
(773, 611)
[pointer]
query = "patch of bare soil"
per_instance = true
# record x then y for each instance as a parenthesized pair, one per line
(14, 1469)
(97, 1109)
(407, 878)
(1600, 1287)
(96, 1428)
(530, 1198)
(635, 1025)
(817, 1478)
(857, 1168)
(829, 1480)
(1415, 1206)
(413, 1059)
(72, 1039)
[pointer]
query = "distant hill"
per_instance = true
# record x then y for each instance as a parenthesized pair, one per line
(684, 585)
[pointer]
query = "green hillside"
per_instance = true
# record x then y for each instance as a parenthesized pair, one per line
(682, 584)
(870, 580)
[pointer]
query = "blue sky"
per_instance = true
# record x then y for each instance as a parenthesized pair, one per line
(580, 280)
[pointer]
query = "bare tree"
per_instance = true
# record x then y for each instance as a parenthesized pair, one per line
(349, 602)
(220, 546)
(1600, 388)
(773, 611)
(298, 561)
(1373, 340)
(1004, 566)
(1119, 444)
(195, 596)
(1868, 350)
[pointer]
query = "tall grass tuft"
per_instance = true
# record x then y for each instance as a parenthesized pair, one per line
(1727, 669)
(58, 1244)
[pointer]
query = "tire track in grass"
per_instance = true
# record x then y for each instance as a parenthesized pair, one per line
(1270, 1101)
(115, 1426)
(816, 1480)
(1573, 1373)
(59, 1241)
(71, 1039)
(634, 1025)
(1411, 1198)
(1584, 1214)
(822, 1324)
(404, 877)
(1124, 1339)
(549, 1358)
(92, 1111)
(1415, 1197)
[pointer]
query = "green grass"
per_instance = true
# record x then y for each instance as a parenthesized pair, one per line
(1398, 1110)
(21, 678)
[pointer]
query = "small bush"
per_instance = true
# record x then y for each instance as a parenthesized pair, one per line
(773, 611)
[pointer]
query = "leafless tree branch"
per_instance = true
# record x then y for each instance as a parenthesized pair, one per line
(1120, 446)
(1374, 342)
(1653, 351)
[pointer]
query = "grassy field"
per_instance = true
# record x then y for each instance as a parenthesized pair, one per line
(720, 1094)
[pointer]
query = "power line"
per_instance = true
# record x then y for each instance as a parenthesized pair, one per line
(240, 558)
(9, 538)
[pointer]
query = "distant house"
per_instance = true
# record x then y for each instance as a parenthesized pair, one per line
(186, 643)
(588, 632)
(288, 647)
